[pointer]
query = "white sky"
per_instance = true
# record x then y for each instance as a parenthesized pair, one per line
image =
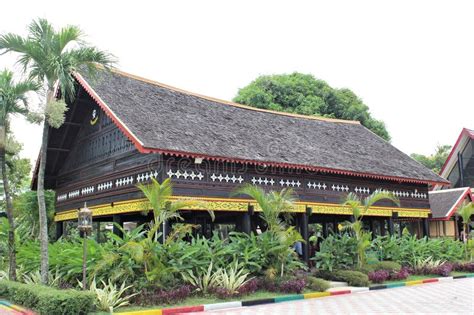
(412, 62)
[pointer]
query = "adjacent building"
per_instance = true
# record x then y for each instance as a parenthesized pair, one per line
(459, 170)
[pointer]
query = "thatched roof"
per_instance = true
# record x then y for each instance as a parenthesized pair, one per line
(160, 118)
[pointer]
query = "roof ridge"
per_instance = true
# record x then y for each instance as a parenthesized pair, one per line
(225, 102)
(448, 190)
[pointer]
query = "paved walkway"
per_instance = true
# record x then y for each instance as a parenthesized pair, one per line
(453, 297)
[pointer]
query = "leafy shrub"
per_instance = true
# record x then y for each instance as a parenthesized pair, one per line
(249, 287)
(443, 270)
(408, 250)
(400, 275)
(159, 296)
(352, 277)
(337, 252)
(390, 266)
(379, 276)
(46, 300)
(317, 285)
(292, 286)
(464, 267)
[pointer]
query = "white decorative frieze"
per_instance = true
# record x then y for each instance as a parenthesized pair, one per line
(290, 183)
(342, 188)
(61, 197)
(319, 185)
(105, 186)
(125, 181)
(263, 181)
(362, 190)
(145, 177)
(73, 194)
(227, 178)
(87, 190)
(185, 175)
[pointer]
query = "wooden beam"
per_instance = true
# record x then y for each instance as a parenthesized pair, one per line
(70, 123)
(58, 149)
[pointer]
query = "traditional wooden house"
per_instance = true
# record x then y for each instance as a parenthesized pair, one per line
(122, 130)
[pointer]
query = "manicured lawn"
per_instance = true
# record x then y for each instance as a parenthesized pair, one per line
(199, 301)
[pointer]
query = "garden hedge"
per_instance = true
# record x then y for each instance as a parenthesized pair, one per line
(47, 300)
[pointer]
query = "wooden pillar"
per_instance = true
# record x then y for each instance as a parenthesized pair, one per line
(97, 232)
(391, 229)
(372, 226)
(246, 224)
(59, 229)
(382, 227)
(303, 222)
(325, 229)
(456, 228)
(426, 227)
(117, 219)
(400, 231)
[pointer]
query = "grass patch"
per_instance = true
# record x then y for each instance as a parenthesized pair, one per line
(198, 300)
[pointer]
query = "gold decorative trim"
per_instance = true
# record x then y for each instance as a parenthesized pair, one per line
(239, 205)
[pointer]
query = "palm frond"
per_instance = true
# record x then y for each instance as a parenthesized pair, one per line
(380, 195)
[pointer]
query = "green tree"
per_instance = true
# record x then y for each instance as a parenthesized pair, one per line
(304, 94)
(13, 100)
(359, 209)
(435, 161)
(51, 57)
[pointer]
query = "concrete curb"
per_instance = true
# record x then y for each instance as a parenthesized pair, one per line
(287, 298)
(12, 309)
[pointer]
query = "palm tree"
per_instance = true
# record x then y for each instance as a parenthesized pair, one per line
(51, 57)
(13, 100)
(465, 212)
(159, 199)
(359, 209)
(274, 204)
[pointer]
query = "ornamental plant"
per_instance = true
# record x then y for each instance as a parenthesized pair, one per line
(359, 209)
(379, 276)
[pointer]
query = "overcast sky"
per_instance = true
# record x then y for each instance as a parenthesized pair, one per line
(412, 62)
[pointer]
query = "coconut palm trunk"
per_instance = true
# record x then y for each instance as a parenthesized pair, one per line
(9, 207)
(43, 219)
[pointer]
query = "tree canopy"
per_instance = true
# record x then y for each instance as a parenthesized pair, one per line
(304, 94)
(435, 161)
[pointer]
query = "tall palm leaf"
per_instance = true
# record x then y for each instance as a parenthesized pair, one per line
(13, 100)
(159, 199)
(359, 209)
(273, 204)
(51, 57)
